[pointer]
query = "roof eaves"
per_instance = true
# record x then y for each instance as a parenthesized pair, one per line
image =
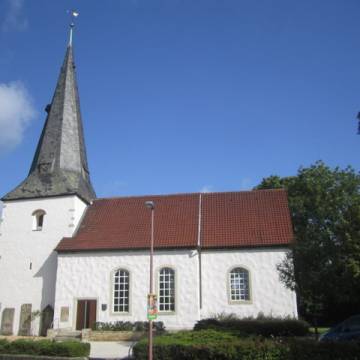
(78, 250)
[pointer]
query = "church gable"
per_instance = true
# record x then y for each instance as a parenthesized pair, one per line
(212, 220)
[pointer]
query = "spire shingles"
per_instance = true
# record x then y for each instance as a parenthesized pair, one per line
(60, 164)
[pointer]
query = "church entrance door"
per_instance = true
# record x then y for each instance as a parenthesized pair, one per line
(86, 314)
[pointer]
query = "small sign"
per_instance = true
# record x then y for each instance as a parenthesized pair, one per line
(152, 309)
(64, 314)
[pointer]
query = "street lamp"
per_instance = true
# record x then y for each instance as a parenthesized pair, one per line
(150, 205)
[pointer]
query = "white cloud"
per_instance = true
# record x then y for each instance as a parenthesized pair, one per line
(16, 112)
(207, 189)
(15, 20)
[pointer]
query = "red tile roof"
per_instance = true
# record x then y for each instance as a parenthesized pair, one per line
(233, 219)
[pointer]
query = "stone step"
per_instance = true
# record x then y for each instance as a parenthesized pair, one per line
(69, 333)
(62, 335)
(66, 338)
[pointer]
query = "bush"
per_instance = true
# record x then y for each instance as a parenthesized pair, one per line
(216, 345)
(302, 349)
(209, 345)
(128, 326)
(45, 348)
(3, 343)
(266, 327)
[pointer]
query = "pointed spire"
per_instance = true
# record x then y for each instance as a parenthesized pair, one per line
(60, 164)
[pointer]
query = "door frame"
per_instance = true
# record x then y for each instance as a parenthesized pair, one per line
(76, 305)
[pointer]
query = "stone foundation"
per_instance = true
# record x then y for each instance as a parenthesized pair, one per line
(90, 335)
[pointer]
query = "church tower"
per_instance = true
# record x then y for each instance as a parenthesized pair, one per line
(43, 209)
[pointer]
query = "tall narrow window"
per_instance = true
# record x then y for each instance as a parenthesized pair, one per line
(121, 291)
(239, 284)
(166, 290)
(38, 219)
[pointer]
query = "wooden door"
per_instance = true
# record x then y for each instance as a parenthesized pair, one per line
(92, 313)
(86, 314)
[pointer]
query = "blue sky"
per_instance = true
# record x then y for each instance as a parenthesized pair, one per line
(186, 95)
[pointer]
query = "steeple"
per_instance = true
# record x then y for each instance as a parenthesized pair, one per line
(60, 164)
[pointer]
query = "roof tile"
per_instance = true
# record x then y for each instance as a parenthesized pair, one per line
(233, 219)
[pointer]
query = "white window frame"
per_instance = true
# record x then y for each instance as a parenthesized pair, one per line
(118, 294)
(169, 305)
(239, 285)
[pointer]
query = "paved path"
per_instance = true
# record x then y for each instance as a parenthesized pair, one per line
(109, 349)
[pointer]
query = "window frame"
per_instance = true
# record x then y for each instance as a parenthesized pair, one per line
(37, 215)
(228, 282)
(112, 308)
(166, 312)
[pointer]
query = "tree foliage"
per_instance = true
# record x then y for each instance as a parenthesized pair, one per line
(324, 266)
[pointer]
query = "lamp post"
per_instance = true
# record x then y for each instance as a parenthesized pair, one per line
(150, 205)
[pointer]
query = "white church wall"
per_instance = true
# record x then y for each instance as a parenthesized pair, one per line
(89, 276)
(268, 295)
(27, 260)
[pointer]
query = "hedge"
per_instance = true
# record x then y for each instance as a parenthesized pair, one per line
(313, 350)
(128, 326)
(45, 348)
(267, 327)
(215, 345)
(207, 344)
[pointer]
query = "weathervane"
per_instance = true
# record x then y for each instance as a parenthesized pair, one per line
(73, 14)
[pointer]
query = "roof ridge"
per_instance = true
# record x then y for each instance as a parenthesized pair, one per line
(188, 194)
(145, 195)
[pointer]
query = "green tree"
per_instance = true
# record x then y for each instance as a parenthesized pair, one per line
(324, 264)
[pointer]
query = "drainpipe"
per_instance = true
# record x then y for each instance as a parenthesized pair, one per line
(199, 252)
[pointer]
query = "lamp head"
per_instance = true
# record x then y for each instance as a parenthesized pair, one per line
(150, 205)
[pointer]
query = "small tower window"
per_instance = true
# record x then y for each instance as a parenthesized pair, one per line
(38, 220)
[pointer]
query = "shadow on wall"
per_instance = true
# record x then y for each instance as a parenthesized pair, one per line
(48, 274)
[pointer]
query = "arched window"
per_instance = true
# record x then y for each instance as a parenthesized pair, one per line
(38, 219)
(239, 284)
(121, 291)
(166, 290)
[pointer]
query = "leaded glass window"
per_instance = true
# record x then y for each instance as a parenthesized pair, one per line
(166, 290)
(239, 284)
(121, 291)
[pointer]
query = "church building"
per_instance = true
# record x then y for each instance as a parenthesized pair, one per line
(69, 259)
